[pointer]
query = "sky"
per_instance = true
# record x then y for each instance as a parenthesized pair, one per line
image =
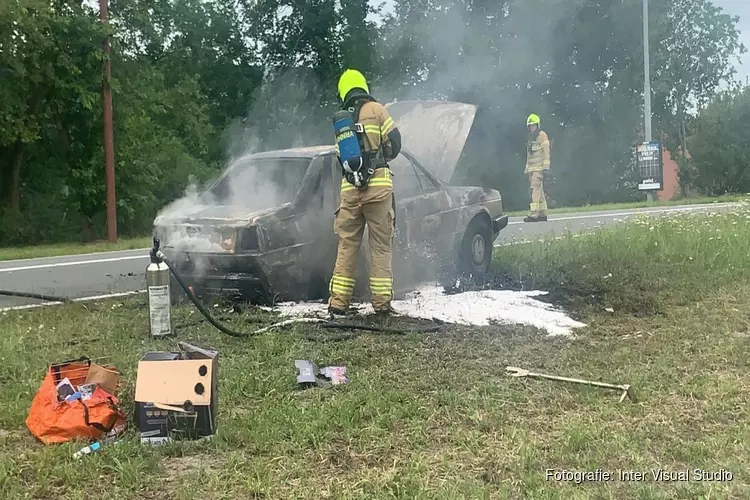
(742, 9)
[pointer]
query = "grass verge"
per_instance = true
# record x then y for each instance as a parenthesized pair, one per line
(639, 204)
(433, 415)
(644, 265)
(56, 250)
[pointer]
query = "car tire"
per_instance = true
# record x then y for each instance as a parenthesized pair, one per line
(475, 255)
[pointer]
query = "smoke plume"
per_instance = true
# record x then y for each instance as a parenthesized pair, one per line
(207, 215)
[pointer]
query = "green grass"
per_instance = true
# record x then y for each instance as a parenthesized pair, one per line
(433, 415)
(31, 252)
(639, 204)
(644, 265)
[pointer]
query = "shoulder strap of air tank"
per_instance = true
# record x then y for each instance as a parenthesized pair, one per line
(378, 154)
(361, 100)
(357, 109)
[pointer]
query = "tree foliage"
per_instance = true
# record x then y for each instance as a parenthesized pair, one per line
(719, 149)
(197, 82)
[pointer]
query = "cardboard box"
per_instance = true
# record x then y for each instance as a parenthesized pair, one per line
(176, 394)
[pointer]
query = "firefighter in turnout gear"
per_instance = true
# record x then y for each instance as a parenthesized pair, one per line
(366, 193)
(537, 168)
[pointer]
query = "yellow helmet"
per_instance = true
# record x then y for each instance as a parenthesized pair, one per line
(533, 120)
(351, 79)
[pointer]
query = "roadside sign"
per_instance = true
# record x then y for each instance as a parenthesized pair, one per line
(650, 166)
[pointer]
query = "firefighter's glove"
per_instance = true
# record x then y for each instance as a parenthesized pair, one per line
(545, 175)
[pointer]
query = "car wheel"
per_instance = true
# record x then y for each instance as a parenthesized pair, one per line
(476, 251)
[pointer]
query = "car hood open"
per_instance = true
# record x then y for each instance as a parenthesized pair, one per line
(434, 131)
(220, 214)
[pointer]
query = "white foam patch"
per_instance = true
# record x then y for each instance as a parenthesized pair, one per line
(468, 308)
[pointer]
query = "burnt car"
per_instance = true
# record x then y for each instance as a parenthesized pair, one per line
(264, 230)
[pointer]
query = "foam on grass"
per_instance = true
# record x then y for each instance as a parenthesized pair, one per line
(479, 308)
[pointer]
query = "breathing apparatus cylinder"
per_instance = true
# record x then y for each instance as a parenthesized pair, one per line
(159, 296)
(350, 152)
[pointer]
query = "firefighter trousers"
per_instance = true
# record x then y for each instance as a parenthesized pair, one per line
(374, 206)
(538, 206)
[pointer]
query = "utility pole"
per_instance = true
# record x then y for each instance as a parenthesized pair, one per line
(646, 85)
(109, 148)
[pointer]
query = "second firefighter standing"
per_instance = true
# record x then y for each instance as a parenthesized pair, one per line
(366, 194)
(537, 168)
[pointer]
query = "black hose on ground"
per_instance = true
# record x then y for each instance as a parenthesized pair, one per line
(353, 326)
(196, 323)
(206, 314)
(29, 295)
(347, 326)
(403, 331)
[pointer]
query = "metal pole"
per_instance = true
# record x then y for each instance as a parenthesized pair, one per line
(646, 75)
(109, 150)
(646, 85)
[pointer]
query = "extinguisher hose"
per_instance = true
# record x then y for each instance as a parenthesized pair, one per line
(40, 296)
(206, 314)
(325, 324)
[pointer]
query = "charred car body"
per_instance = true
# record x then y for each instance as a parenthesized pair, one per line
(277, 242)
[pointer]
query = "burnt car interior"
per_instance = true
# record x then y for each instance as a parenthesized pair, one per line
(247, 183)
(322, 198)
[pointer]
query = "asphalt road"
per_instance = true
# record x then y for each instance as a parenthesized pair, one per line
(112, 274)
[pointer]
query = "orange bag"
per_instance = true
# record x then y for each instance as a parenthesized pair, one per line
(52, 421)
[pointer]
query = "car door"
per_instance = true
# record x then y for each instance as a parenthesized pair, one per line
(424, 216)
(317, 219)
(307, 249)
(421, 202)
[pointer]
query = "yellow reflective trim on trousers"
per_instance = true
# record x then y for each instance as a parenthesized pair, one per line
(341, 291)
(343, 281)
(383, 281)
(384, 287)
(341, 277)
(341, 285)
(381, 286)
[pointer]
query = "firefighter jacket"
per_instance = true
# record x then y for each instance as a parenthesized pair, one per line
(537, 154)
(379, 130)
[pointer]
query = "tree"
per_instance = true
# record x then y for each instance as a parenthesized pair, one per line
(719, 149)
(197, 82)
